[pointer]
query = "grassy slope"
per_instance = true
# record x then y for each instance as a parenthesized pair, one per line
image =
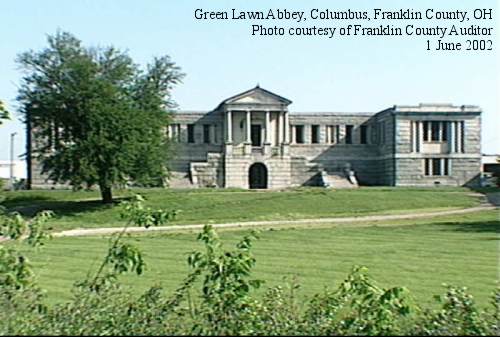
(83, 209)
(421, 254)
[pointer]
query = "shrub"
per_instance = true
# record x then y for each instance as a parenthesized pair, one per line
(217, 297)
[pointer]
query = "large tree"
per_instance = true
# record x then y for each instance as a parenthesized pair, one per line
(101, 118)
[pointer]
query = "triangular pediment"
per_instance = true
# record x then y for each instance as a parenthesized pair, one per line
(256, 96)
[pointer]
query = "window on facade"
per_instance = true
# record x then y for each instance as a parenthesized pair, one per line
(435, 131)
(436, 167)
(206, 133)
(462, 137)
(299, 134)
(190, 133)
(315, 134)
(363, 138)
(348, 134)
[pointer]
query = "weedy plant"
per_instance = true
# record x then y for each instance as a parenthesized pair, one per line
(217, 297)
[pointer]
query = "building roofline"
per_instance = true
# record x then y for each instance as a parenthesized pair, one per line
(436, 107)
(281, 98)
(327, 113)
(294, 113)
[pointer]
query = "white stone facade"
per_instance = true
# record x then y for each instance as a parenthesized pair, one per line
(424, 145)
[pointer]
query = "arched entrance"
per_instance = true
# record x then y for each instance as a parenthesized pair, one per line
(257, 176)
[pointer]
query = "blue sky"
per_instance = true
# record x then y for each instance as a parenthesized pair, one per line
(222, 58)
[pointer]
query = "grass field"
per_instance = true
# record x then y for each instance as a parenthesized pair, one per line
(421, 255)
(83, 209)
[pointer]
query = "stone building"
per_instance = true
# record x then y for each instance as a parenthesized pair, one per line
(251, 140)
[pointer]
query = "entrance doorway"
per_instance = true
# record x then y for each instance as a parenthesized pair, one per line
(257, 176)
(256, 135)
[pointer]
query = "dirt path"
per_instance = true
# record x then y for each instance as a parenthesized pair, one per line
(276, 223)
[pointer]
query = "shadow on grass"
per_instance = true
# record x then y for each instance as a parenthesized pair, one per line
(23, 199)
(485, 190)
(32, 205)
(473, 227)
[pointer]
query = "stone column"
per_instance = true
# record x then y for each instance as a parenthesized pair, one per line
(280, 128)
(287, 128)
(451, 137)
(229, 132)
(268, 127)
(267, 143)
(420, 132)
(285, 133)
(229, 126)
(183, 133)
(249, 125)
(248, 142)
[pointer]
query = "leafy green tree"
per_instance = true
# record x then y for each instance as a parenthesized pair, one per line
(101, 118)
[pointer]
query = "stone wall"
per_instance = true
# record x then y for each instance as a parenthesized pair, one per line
(389, 156)
(464, 166)
(237, 170)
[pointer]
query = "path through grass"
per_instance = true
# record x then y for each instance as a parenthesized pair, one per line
(421, 255)
(84, 210)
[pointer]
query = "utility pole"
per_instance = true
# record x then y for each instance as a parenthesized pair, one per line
(12, 160)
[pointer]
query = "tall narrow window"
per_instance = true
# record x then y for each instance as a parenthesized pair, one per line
(462, 137)
(426, 131)
(348, 134)
(435, 131)
(190, 133)
(444, 131)
(299, 134)
(436, 167)
(314, 134)
(363, 137)
(206, 133)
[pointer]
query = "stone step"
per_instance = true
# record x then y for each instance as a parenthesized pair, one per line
(179, 180)
(336, 180)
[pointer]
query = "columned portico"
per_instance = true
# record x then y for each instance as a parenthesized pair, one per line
(256, 123)
(256, 133)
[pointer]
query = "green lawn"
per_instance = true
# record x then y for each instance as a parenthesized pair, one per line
(419, 254)
(83, 209)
